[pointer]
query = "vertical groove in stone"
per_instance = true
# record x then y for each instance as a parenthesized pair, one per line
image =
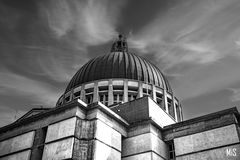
(150, 72)
(121, 64)
(92, 71)
(115, 65)
(109, 64)
(137, 76)
(85, 78)
(143, 68)
(132, 68)
(147, 73)
(158, 78)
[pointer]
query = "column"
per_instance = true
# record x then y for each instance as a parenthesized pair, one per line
(175, 108)
(140, 89)
(154, 93)
(110, 92)
(125, 90)
(165, 100)
(82, 95)
(95, 92)
(181, 113)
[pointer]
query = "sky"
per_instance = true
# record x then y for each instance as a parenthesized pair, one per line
(196, 44)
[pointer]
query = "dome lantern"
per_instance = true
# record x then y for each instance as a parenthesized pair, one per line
(120, 45)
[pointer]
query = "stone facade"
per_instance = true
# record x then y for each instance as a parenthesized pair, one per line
(136, 130)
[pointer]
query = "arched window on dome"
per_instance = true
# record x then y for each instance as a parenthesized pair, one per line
(170, 107)
(147, 90)
(132, 92)
(159, 99)
(77, 93)
(103, 94)
(89, 95)
(68, 97)
(118, 93)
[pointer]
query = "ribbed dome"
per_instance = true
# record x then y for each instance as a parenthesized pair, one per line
(119, 64)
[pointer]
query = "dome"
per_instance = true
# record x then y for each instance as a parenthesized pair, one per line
(123, 65)
(119, 77)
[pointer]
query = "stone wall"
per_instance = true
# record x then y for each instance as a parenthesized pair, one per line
(206, 140)
(143, 109)
(76, 133)
(96, 137)
(211, 144)
(17, 144)
(24, 155)
(61, 149)
(144, 141)
(231, 152)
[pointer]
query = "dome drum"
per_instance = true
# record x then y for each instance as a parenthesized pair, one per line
(114, 91)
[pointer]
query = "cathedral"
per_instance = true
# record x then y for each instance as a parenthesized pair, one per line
(120, 106)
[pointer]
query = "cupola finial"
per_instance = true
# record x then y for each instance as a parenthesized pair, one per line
(120, 45)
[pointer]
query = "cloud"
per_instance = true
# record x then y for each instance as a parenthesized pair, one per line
(9, 115)
(18, 94)
(198, 32)
(207, 79)
(13, 84)
(197, 41)
(92, 22)
(73, 27)
(43, 45)
(235, 94)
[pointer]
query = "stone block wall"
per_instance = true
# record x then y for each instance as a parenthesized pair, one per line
(94, 138)
(219, 143)
(24, 155)
(107, 141)
(59, 140)
(76, 133)
(18, 147)
(144, 142)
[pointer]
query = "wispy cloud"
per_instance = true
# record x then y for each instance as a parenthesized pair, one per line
(206, 79)
(196, 40)
(76, 24)
(192, 31)
(235, 94)
(62, 32)
(9, 115)
(19, 94)
(93, 22)
(16, 84)
(43, 43)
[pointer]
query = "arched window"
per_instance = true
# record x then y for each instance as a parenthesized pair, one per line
(77, 94)
(132, 92)
(118, 93)
(159, 99)
(103, 94)
(147, 92)
(67, 98)
(170, 107)
(89, 95)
